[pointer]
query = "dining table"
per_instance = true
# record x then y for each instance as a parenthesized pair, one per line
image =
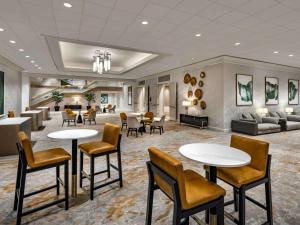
(214, 156)
(74, 135)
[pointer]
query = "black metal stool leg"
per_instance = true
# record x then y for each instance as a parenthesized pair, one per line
(17, 184)
(21, 195)
(92, 174)
(108, 165)
(57, 180)
(236, 199)
(120, 168)
(242, 198)
(207, 211)
(80, 168)
(268, 191)
(220, 212)
(66, 184)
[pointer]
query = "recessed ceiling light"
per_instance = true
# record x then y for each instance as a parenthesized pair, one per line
(145, 22)
(1, 29)
(276, 52)
(27, 56)
(192, 58)
(36, 65)
(40, 68)
(237, 43)
(12, 41)
(198, 35)
(291, 55)
(21, 50)
(32, 61)
(68, 5)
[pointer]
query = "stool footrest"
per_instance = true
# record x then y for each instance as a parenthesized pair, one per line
(256, 202)
(107, 183)
(43, 207)
(39, 191)
(114, 167)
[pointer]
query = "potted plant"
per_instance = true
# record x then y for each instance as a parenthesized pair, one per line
(90, 97)
(57, 98)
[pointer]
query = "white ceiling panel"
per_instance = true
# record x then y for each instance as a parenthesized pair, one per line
(155, 11)
(192, 6)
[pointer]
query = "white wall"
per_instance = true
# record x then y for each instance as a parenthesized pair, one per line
(12, 88)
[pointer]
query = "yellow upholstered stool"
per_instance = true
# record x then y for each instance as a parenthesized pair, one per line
(250, 176)
(190, 192)
(29, 162)
(109, 144)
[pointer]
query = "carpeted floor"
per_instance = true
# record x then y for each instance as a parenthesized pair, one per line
(115, 206)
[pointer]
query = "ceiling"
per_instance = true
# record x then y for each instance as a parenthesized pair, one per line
(261, 28)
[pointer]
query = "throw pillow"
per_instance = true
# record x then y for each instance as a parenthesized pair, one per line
(257, 117)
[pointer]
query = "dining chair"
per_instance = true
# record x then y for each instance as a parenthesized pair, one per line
(159, 125)
(247, 177)
(190, 192)
(109, 144)
(134, 125)
(66, 117)
(30, 162)
(149, 120)
(123, 117)
(90, 116)
(11, 114)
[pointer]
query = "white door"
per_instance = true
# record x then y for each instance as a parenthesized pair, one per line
(135, 99)
(173, 101)
(153, 99)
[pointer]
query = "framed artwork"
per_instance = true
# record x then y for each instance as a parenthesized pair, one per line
(129, 95)
(104, 98)
(244, 90)
(1, 93)
(272, 90)
(293, 92)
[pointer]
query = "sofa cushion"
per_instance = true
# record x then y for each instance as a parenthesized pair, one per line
(293, 118)
(257, 117)
(247, 116)
(274, 114)
(281, 115)
(292, 125)
(267, 126)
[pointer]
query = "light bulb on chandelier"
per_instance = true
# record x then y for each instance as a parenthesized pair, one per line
(102, 62)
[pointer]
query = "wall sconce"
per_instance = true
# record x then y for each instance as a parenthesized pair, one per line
(263, 111)
(289, 110)
(186, 104)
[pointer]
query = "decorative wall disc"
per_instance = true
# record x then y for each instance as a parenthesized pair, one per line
(200, 83)
(195, 102)
(193, 81)
(203, 105)
(202, 74)
(187, 78)
(198, 93)
(190, 94)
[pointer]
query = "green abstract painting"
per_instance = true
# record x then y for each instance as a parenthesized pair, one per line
(272, 90)
(1, 93)
(244, 90)
(293, 92)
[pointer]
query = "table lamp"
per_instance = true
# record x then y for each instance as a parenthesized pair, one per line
(186, 104)
(263, 111)
(289, 110)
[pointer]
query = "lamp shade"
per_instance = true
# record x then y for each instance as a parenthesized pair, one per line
(289, 110)
(262, 110)
(186, 103)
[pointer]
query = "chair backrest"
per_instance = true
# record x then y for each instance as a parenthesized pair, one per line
(97, 107)
(69, 111)
(123, 116)
(258, 150)
(111, 134)
(132, 122)
(109, 106)
(162, 120)
(10, 114)
(90, 110)
(93, 114)
(64, 115)
(149, 115)
(26, 145)
(173, 168)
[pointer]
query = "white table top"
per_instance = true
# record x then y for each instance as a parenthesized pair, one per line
(215, 155)
(137, 114)
(43, 107)
(32, 112)
(73, 134)
(14, 120)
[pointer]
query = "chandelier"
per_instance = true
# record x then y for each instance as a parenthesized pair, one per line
(102, 62)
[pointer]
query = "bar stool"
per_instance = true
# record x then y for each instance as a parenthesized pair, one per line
(109, 144)
(190, 192)
(248, 177)
(29, 162)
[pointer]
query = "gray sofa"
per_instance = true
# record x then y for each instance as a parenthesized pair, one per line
(291, 122)
(253, 124)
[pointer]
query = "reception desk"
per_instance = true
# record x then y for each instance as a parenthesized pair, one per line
(73, 107)
(46, 112)
(9, 129)
(36, 118)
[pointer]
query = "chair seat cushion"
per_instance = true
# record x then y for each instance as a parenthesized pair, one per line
(199, 190)
(238, 176)
(267, 126)
(49, 157)
(96, 147)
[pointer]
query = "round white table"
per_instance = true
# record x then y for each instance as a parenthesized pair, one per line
(73, 135)
(214, 155)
